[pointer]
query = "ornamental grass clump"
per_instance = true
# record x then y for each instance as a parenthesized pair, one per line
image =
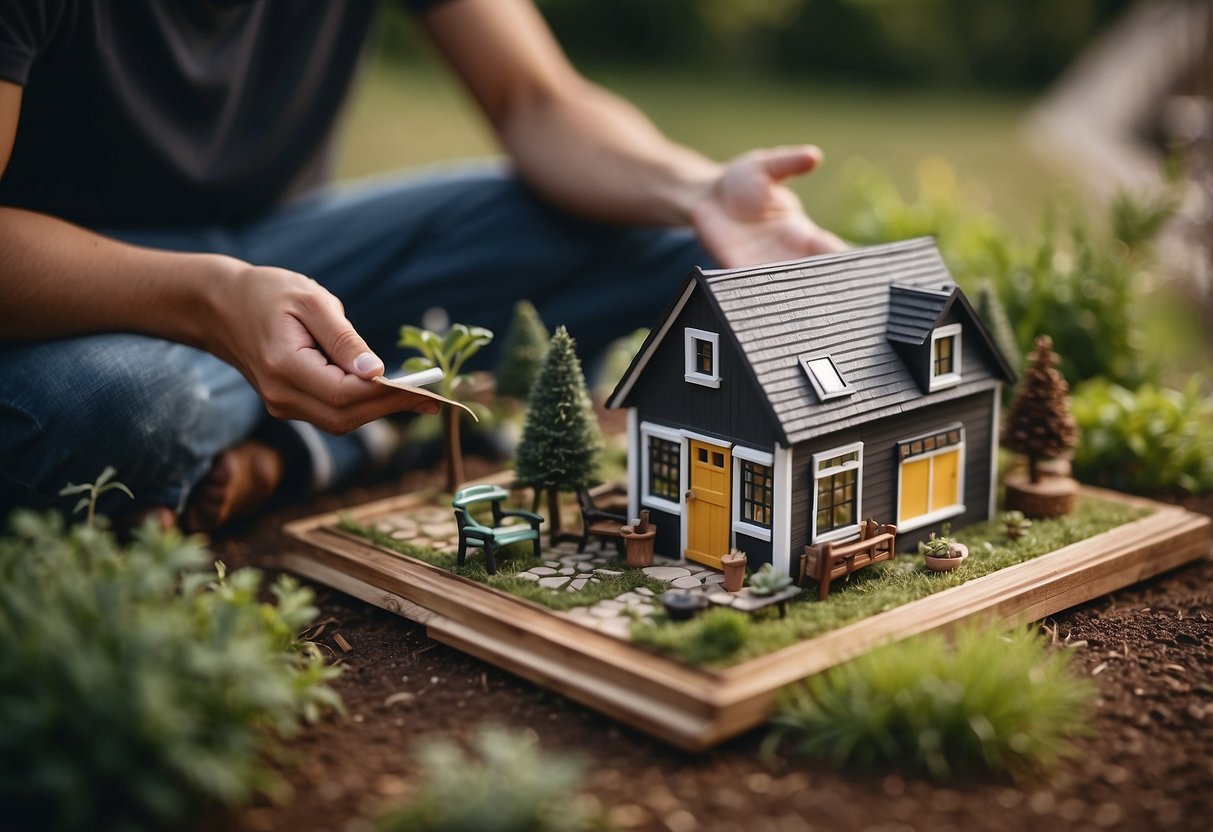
(995, 702)
(506, 784)
(141, 685)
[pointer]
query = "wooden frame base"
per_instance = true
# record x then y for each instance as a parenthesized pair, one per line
(694, 708)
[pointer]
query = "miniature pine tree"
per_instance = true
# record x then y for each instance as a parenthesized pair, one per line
(994, 316)
(526, 345)
(561, 442)
(1040, 425)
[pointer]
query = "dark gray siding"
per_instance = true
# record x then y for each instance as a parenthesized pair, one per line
(880, 440)
(669, 531)
(736, 411)
(757, 551)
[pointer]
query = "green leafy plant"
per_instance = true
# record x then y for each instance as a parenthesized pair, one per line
(507, 784)
(942, 546)
(1015, 524)
(449, 351)
(929, 706)
(1154, 439)
(92, 492)
(139, 685)
(768, 580)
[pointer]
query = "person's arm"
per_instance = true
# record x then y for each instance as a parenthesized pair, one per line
(592, 153)
(279, 328)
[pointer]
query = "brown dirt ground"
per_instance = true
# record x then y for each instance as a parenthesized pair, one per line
(1148, 764)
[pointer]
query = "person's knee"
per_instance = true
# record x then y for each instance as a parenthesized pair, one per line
(125, 402)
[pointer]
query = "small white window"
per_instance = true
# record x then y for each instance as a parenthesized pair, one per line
(702, 357)
(837, 492)
(945, 357)
(824, 376)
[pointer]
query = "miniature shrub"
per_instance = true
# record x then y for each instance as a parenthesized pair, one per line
(998, 702)
(138, 685)
(506, 785)
(768, 580)
(1154, 439)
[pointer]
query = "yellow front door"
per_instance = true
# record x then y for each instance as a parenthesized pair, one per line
(708, 504)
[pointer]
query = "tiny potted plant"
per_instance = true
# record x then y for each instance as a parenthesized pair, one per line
(638, 540)
(1015, 524)
(768, 580)
(942, 554)
(733, 564)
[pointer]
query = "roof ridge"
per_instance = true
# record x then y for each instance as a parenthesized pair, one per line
(859, 253)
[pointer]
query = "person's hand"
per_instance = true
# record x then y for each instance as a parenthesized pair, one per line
(290, 338)
(750, 217)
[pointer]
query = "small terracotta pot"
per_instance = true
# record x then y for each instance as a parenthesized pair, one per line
(733, 564)
(947, 564)
(639, 546)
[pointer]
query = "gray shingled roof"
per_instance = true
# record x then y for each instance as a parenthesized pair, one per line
(838, 304)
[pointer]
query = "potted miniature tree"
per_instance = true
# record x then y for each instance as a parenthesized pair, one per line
(733, 564)
(448, 351)
(942, 554)
(1041, 427)
(561, 442)
(638, 541)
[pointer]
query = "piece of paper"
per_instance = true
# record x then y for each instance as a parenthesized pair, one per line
(425, 394)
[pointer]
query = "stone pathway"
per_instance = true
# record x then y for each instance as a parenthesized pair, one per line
(564, 569)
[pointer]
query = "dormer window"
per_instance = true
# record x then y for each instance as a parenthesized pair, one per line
(945, 357)
(702, 357)
(823, 374)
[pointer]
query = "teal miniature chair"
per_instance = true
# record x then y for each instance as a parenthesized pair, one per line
(472, 533)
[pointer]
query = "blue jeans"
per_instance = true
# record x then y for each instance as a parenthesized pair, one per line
(470, 241)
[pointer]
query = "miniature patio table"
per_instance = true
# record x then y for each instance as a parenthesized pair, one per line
(747, 601)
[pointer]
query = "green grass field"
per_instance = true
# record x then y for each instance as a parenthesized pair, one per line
(416, 115)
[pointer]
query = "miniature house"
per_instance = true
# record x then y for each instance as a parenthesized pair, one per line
(777, 406)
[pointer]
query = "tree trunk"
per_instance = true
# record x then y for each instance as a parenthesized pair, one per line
(554, 514)
(1033, 468)
(454, 452)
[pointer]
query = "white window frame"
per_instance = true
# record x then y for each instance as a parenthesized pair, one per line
(741, 525)
(821, 392)
(947, 512)
(647, 430)
(945, 380)
(822, 456)
(690, 372)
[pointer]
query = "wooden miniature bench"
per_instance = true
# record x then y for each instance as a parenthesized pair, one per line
(827, 561)
(492, 537)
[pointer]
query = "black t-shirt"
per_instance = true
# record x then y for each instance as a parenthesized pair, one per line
(155, 112)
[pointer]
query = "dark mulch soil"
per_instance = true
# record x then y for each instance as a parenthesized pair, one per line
(1149, 764)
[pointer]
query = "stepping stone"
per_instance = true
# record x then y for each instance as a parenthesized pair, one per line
(527, 576)
(689, 582)
(631, 598)
(576, 556)
(618, 627)
(714, 578)
(436, 529)
(401, 534)
(554, 564)
(716, 589)
(644, 590)
(553, 583)
(644, 610)
(607, 572)
(577, 584)
(567, 570)
(584, 567)
(724, 599)
(666, 573)
(606, 609)
(542, 570)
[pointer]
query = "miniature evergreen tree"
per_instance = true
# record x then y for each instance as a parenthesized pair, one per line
(1040, 425)
(526, 345)
(994, 316)
(560, 440)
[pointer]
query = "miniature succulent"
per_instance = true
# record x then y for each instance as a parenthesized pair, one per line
(1015, 524)
(939, 547)
(768, 580)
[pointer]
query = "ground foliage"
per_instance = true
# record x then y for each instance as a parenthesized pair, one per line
(139, 684)
(943, 709)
